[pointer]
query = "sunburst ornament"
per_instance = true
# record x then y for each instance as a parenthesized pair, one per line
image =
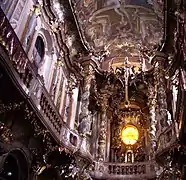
(129, 135)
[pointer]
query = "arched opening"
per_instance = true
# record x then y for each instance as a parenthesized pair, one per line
(10, 170)
(38, 52)
(42, 56)
(14, 166)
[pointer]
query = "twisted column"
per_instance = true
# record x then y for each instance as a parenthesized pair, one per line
(159, 75)
(85, 115)
(152, 117)
(103, 128)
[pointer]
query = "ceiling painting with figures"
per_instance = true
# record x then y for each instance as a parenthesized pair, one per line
(121, 28)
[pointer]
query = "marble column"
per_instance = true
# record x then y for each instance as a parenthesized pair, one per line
(161, 97)
(152, 119)
(85, 115)
(103, 128)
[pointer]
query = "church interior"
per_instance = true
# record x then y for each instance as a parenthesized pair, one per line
(92, 89)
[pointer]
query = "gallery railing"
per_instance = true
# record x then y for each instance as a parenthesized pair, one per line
(141, 170)
(33, 87)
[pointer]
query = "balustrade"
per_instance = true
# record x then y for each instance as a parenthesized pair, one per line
(125, 170)
(50, 112)
(32, 84)
(17, 56)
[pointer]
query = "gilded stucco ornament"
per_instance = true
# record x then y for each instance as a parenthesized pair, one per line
(47, 145)
(10, 106)
(6, 133)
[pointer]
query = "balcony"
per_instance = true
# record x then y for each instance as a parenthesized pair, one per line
(143, 170)
(30, 84)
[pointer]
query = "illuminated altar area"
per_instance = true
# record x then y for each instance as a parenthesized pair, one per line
(93, 89)
(124, 147)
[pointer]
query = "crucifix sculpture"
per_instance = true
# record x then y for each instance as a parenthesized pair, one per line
(127, 72)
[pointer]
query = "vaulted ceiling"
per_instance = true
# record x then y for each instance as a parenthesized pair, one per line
(120, 28)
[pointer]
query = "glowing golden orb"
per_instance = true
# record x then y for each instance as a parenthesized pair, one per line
(129, 135)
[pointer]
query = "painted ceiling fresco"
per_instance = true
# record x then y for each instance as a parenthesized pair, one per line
(120, 27)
